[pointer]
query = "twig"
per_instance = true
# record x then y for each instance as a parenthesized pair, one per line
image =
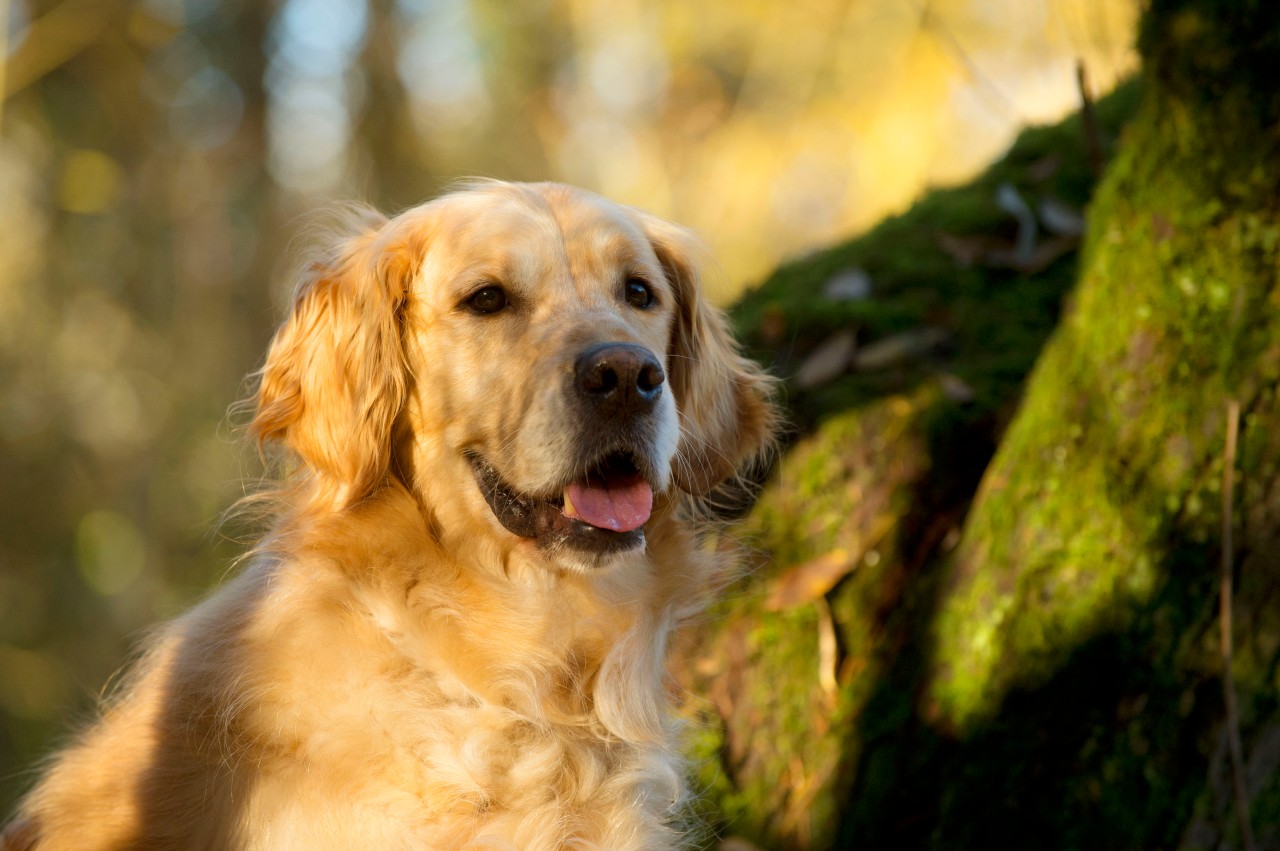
(1224, 622)
(828, 650)
(1089, 118)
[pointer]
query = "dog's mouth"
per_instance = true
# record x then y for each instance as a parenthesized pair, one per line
(603, 512)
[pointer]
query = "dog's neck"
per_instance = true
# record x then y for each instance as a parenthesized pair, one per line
(511, 628)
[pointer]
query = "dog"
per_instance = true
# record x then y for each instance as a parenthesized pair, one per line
(501, 411)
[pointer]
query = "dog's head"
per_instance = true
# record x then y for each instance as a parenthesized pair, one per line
(532, 360)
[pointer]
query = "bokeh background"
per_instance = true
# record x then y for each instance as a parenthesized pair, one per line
(158, 160)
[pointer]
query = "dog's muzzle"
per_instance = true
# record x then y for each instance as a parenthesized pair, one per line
(616, 388)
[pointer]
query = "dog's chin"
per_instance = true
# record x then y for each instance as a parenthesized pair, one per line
(567, 540)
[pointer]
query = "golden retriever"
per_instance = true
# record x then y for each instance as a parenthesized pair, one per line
(503, 406)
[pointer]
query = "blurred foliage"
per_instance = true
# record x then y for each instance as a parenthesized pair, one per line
(156, 155)
(132, 303)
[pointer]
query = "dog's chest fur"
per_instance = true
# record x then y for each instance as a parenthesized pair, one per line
(521, 711)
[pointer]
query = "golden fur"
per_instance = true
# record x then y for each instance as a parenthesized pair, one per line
(393, 669)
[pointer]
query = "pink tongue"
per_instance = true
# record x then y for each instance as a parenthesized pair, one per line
(621, 507)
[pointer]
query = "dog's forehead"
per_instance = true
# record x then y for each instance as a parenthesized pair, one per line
(528, 231)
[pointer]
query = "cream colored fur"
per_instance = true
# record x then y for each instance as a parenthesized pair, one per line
(393, 669)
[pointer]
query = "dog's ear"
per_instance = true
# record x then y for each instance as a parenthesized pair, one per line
(335, 378)
(727, 417)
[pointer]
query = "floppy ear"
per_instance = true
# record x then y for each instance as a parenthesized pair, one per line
(727, 417)
(335, 378)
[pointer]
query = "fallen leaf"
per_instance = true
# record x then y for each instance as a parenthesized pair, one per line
(828, 649)
(1011, 201)
(1059, 218)
(850, 285)
(810, 580)
(899, 348)
(829, 361)
(956, 388)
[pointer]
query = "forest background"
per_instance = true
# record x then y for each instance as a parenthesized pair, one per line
(159, 158)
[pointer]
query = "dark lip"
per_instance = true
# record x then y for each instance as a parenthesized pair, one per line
(542, 520)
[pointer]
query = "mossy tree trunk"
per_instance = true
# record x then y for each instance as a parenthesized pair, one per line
(1046, 671)
(1112, 469)
(1100, 519)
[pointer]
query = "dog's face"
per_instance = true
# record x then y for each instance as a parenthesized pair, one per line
(539, 334)
(535, 362)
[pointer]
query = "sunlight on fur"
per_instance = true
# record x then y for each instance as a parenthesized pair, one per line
(499, 413)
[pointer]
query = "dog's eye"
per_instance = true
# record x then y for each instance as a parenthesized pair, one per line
(638, 294)
(487, 300)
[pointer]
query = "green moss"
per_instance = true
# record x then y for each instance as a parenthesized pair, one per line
(882, 479)
(774, 760)
(1117, 449)
(1099, 520)
(998, 318)
(1054, 679)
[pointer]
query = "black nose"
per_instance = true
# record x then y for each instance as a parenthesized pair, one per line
(619, 379)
